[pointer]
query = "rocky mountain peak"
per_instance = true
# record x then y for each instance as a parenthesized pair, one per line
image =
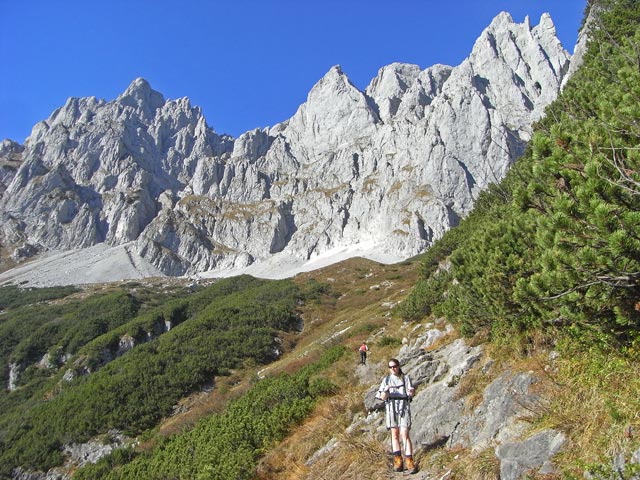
(387, 170)
(10, 148)
(546, 26)
(140, 95)
(501, 21)
(334, 83)
(533, 57)
(335, 73)
(334, 106)
(390, 85)
(504, 30)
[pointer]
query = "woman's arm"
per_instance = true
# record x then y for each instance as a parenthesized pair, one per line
(383, 390)
(384, 394)
(410, 391)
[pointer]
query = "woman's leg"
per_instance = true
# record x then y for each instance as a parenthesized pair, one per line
(395, 439)
(406, 441)
(395, 447)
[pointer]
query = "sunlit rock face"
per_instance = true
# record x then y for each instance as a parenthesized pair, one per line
(393, 166)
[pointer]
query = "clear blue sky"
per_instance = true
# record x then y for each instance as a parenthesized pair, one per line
(246, 63)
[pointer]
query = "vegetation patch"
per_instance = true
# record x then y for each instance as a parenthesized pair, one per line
(216, 330)
(229, 445)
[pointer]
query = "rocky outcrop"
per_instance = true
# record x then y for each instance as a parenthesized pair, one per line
(94, 171)
(446, 418)
(10, 161)
(14, 375)
(393, 166)
(78, 455)
(448, 414)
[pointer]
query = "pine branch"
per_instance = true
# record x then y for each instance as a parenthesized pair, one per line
(625, 281)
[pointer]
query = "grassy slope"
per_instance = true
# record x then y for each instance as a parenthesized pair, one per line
(359, 303)
(592, 398)
(358, 306)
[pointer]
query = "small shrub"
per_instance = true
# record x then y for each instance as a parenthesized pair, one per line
(387, 341)
(366, 328)
(321, 386)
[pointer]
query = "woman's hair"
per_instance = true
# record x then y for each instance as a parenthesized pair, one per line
(395, 360)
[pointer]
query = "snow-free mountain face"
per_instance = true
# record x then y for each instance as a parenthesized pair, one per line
(394, 166)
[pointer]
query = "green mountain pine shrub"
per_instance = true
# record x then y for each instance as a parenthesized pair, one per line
(557, 243)
(228, 445)
(215, 330)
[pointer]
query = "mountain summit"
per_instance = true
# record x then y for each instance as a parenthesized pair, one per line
(389, 169)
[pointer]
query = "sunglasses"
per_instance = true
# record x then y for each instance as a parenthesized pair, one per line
(393, 366)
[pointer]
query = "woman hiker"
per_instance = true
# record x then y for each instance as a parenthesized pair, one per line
(396, 391)
(363, 353)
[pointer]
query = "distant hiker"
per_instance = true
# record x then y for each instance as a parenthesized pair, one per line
(363, 353)
(397, 391)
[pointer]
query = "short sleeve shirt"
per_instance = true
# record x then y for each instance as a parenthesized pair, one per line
(397, 406)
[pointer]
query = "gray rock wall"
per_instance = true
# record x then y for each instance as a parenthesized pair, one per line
(443, 417)
(393, 166)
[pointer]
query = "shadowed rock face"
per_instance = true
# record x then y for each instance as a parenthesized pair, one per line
(396, 165)
(10, 161)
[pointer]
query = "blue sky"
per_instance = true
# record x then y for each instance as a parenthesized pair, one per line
(246, 63)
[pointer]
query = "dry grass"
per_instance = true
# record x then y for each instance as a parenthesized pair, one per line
(479, 466)
(6, 262)
(288, 459)
(359, 457)
(366, 293)
(365, 290)
(471, 386)
(595, 399)
(395, 187)
(199, 405)
(591, 397)
(461, 464)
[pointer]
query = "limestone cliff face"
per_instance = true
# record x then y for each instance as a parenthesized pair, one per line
(10, 161)
(395, 165)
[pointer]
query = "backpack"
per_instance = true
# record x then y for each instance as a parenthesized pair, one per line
(405, 396)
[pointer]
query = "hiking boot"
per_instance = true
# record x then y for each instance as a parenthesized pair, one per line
(397, 463)
(411, 466)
